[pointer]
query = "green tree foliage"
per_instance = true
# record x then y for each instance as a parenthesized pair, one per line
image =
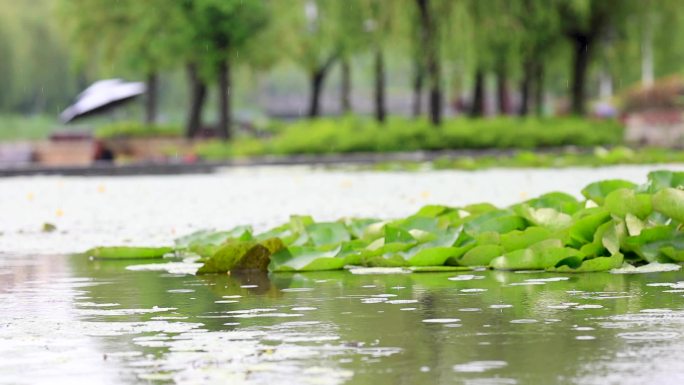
(34, 59)
(531, 47)
(217, 31)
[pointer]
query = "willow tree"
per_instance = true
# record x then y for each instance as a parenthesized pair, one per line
(312, 35)
(217, 31)
(539, 36)
(142, 37)
(35, 68)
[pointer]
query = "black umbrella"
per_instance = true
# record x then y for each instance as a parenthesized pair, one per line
(102, 96)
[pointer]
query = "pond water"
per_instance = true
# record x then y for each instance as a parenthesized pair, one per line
(69, 320)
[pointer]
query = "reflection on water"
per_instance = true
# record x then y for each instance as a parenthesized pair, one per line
(105, 323)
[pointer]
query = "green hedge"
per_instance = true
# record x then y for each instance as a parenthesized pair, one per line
(137, 130)
(355, 134)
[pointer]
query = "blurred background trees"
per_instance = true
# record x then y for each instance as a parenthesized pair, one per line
(433, 58)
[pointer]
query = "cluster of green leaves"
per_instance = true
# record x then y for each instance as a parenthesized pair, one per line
(528, 159)
(618, 222)
(356, 134)
(136, 130)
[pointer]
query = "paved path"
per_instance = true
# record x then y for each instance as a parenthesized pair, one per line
(155, 209)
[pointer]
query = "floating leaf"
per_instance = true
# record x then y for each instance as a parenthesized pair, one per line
(327, 233)
(500, 221)
(49, 227)
(670, 202)
(522, 239)
(128, 252)
(624, 201)
(559, 201)
(397, 235)
(546, 217)
(598, 191)
(525, 259)
(438, 269)
(658, 180)
(481, 255)
(240, 256)
(592, 265)
(298, 258)
(583, 230)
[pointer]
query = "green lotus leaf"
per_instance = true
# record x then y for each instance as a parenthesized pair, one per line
(547, 217)
(298, 258)
(597, 264)
(670, 202)
(598, 191)
(582, 231)
(328, 233)
(658, 180)
(522, 239)
(624, 201)
(128, 252)
(397, 235)
(559, 201)
(481, 255)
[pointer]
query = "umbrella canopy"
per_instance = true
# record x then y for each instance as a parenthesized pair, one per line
(100, 96)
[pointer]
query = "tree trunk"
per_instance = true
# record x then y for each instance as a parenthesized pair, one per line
(317, 80)
(539, 88)
(435, 94)
(224, 108)
(151, 98)
(345, 90)
(477, 108)
(419, 76)
(432, 64)
(380, 108)
(579, 73)
(503, 96)
(198, 94)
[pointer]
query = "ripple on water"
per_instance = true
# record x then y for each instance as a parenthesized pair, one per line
(491, 381)
(465, 277)
(402, 301)
(441, 320)
(296, 289)
(552, 279)
(524, 321)
(479, 366)
(648, 336)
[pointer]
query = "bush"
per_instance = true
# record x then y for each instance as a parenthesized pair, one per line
(136, 130)
(665, 94)
(355, 134)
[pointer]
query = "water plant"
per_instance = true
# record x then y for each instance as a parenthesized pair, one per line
(617, 224)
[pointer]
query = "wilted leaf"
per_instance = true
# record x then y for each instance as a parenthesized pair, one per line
(240, 256)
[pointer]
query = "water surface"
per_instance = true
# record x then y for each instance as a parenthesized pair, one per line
(67, 319)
